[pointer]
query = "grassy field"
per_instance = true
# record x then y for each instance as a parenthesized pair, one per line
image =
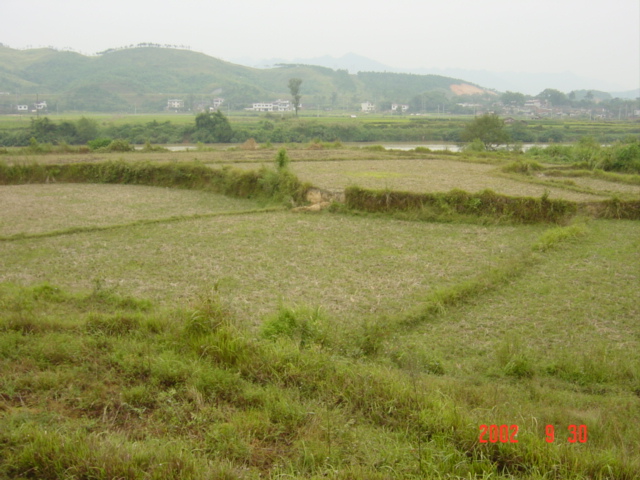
(149, 332)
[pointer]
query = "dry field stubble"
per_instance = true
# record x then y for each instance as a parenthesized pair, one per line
(211, 155)
(427, 175)
(602, 186)
(37, 209)
(351, 267)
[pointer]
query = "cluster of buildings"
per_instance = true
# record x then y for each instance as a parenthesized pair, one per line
(275, 106)
(37, 107)
(536, 109)
(178, 104)
(369, 107)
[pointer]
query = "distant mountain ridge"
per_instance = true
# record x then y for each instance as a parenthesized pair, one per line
(146, 77)
(523, 82)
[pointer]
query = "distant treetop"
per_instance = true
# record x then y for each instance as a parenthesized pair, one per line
(142, 45)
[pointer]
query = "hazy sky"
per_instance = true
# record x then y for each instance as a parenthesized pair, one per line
(599, 39)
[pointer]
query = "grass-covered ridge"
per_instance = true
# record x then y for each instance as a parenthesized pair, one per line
(267, 184)
(438, 205)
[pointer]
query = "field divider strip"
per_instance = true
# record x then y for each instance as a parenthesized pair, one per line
(98, 228)
(437, 302)
(549, 183)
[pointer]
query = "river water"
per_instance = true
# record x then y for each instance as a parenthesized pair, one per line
(436, 147)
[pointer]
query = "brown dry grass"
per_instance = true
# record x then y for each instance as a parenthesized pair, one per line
(33, 209)
(424, 175)
(601, 186)
(212, 155)
(432, 175)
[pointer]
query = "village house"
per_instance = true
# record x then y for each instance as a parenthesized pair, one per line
(208, 105)
(216, 104)
(275, 106)
(175, 104)
(395, 106)
(368, 107)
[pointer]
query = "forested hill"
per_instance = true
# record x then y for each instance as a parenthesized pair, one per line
(145, 77)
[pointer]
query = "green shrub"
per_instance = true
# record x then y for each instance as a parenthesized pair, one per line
(588, 153)
(99, 143)
(281, 184)
(476, 146)
(282, 159)
(623, 158)
(119, 145)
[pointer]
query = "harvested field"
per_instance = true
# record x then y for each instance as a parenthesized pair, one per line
(36, 209)
(423, 176)
(352, 267)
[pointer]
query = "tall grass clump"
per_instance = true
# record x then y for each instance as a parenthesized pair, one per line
(513, 360)
(208, 314)
(303, 325)
(551, 238)
(281, 184)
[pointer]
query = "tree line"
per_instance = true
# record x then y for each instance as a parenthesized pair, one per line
(215, 127)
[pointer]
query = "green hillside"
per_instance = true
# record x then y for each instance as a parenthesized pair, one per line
(145, 77)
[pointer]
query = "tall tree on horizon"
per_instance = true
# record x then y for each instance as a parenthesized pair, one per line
(294, 88)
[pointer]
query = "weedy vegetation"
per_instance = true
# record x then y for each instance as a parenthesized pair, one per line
(162, 317)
